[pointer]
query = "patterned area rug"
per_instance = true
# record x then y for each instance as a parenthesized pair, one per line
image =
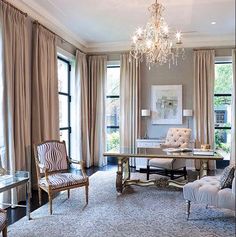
(139, 211)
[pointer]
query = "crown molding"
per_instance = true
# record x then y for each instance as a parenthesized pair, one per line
(38, 13)
(190, 42)
(35, 11)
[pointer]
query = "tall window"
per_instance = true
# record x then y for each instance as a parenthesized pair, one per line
(113, 108)
(64, 69)
(222, 107)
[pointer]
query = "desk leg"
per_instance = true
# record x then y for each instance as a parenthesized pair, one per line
(203, 168)
(122, 174)
(119, 186)
(28, 195)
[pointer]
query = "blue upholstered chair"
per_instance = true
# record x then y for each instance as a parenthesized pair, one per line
(53, 170)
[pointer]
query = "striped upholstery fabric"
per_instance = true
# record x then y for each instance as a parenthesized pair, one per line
(61, 180)
(53, 156)
(3, 219)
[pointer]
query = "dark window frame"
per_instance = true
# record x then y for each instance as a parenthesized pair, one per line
(68, 95)
(221, 95)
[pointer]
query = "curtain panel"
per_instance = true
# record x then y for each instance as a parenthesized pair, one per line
(15, 78)
(204, 76)
(44, 90)
(129, 101)
(80, 110)
(233, 126)
(97, 68)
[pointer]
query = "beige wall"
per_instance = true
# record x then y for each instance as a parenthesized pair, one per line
(182, 74)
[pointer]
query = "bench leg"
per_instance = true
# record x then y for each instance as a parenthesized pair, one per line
(187, 208)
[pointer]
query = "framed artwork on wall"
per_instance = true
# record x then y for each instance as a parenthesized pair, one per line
(166, 104)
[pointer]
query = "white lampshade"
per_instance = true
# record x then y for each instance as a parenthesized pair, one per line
(145, 112)
(187, 112)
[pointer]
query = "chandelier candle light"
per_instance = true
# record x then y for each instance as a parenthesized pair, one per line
(155, 43)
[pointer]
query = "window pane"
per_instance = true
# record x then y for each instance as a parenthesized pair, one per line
(223, 142)
(113, 139)
(63, 111)
(62, 76)
(223, 78)
(112, 111)
(64, 137)
(113, 81)
(222, 108)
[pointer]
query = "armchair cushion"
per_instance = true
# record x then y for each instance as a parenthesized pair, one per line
(161, 163)
(61, 180)
(227, 177)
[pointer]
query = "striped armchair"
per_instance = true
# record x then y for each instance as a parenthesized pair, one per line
(3, 222)
(52, 167)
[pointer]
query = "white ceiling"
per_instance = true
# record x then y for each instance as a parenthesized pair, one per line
(107, 25)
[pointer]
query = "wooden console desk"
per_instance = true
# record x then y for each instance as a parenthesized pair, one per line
(123, 177)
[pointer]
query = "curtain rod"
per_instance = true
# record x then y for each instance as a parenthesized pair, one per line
(24, 13)
(63, 40)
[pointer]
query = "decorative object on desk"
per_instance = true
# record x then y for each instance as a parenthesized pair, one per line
(188, 113)
(205, 146)
(173, 150)
(166, 104)
(2, 171)
(203, 152)
(155, 42)
(145, 113)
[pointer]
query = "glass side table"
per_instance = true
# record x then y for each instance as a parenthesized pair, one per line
(13, 179)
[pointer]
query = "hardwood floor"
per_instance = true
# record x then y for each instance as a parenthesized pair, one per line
(14, 214)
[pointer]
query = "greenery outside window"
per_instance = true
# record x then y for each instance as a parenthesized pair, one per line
(113, 108)
(222, 107)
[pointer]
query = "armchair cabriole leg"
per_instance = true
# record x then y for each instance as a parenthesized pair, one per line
(4, 232)
(188, 203)
(86, 193)
(50, 203)
(148, 170)
(185, 173)
(40, 196)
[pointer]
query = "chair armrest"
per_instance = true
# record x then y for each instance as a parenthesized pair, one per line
(81, 163)
(3, 210)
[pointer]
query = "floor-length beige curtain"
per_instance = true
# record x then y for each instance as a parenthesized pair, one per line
(16, 90)
(129, 101)
(204, 75)
(233, 126)
(44, 92)
(80, 111)
(97, 81)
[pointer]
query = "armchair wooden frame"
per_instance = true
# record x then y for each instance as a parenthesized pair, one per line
(3, 227)
(46, 173)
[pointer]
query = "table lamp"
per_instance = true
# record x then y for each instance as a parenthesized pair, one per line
(188, 113)
(145, 113)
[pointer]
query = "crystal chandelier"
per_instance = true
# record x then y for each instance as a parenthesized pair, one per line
(154, 42)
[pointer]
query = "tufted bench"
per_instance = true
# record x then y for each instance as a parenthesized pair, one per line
(207, 191)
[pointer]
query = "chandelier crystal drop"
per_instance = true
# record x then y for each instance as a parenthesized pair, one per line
(154, 42)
